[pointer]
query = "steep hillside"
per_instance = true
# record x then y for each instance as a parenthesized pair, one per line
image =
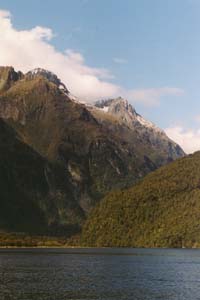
(146, 138)
(34, 194)
(8, 77)
(163, 210)
(97, 153)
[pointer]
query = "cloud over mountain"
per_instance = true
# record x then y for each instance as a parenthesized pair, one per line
(188, 139)
(28, 49)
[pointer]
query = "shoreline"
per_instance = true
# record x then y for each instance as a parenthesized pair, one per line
(110, 248)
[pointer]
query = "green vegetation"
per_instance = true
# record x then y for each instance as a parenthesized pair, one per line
(58, 158)
(163, 210)
(18, 239)
(98, 151)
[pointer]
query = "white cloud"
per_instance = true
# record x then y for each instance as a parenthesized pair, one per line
(5, 14)
(119, 60)
(151, 97)
(28, 49)
(197, 118)
(188, 139)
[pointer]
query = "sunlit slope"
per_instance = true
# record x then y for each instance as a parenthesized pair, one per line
(163, 210)
(97, 153)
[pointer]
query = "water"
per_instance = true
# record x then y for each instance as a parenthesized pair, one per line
(106, 274)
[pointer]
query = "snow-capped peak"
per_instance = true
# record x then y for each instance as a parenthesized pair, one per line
(118, 106)
(124, 111)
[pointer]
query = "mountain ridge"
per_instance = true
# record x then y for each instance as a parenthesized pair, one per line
(97, 151)
(162, 210)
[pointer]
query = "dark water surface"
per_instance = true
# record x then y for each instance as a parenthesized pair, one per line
(58, 274)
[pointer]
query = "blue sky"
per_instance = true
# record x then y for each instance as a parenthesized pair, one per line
(145, 45)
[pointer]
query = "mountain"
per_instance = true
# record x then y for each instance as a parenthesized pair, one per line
(8, 77)
(51, 77)
(34, 194)
(94, 148)
(162, 210)
(159, 147)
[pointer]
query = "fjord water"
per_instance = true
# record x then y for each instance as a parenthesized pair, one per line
(91, 274)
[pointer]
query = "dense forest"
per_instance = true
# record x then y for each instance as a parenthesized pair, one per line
(162, 210)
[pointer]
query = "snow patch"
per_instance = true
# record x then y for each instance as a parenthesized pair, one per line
(105, 108)
(61, 87)
(147, 123)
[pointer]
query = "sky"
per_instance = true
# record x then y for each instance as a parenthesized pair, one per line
(146, 51)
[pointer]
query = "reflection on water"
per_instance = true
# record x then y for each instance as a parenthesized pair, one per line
(131, 274)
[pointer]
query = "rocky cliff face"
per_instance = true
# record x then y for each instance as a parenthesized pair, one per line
(51, 77)
(35, 194)
(8, 76)
(99, 148)
(146, 133)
